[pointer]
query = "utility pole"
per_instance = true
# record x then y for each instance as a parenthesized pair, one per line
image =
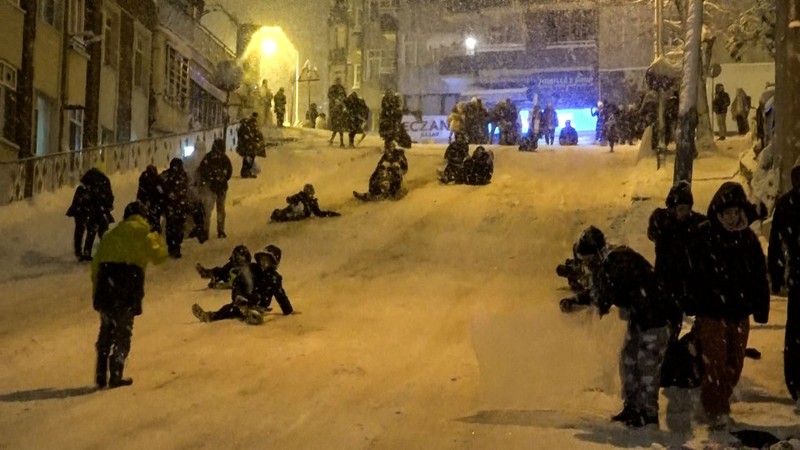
(692, 66)
(660, 131)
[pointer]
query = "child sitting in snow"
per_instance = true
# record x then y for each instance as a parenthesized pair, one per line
(301, 206)
(222, 277)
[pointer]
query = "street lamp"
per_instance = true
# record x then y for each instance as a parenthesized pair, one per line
(470, 42)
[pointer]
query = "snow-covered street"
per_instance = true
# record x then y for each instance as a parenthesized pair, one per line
(430, 322)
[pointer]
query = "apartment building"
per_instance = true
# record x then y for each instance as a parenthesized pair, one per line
(130, 68)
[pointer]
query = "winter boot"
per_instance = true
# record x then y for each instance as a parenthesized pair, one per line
(628, 413)
(116, 380)
(253, 317)
(200, 314)
(101, 371)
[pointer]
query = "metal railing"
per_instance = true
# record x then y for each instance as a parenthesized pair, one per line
(51, 172)
(199, 37)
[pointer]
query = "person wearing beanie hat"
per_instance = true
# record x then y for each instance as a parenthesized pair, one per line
(221, 277)
(783, 258)
(301, 205)
(623, 278)
(733, 271)
(268, 282)
(118, 273)
(175, 182)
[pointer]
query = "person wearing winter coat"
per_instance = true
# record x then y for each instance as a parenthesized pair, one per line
(151, 194)
(734, 274)
(455, 155)
(719, 106)
(176, 206)
(357, 112)
(600, 126)
(623, 278)
(568, 134)
(740, 110)
(250, 144)
(479, 167)
(386, 181)
(266, 101)
(221, 277)
(195, 204)
(91, 209)
(301, 206)
(390, 122)
(214, 172)
(280, 107)
(457, 123)
(253, 290)
(312, 114)
(784, 269)
(610, 118)
(118, 273)
(549, 124)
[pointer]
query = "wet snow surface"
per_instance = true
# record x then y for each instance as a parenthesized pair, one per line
(431, 322)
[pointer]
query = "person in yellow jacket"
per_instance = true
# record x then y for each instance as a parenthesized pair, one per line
(118, 289)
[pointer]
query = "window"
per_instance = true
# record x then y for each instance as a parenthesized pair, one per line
(379, 62)
(75, 129)
(140, 60)
(176, 91)
(410, 48)
(341, 37)
(50, 11)
(75, 20)
(356, 76)
(111, 26)
(570, 26)
(205, 108)
(8, 101)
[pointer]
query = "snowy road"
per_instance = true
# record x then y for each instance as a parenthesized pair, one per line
(431, 322)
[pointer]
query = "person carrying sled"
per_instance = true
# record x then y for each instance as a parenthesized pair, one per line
(91, 209)
(302, 205)
(221, 277)
(118, 272)
(479, 167)
(623, 278)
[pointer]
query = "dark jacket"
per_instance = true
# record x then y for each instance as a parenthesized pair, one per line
(784, 241)
(568, 136)
(479, 167)
(627, 280)
(215, 170)
(151, 191)
(721, 102)
(676, 245)
(269, 284)
(93, 199)
(733, 266)
(251, 141)
(176, 191)
(280, 102)
(310, 205)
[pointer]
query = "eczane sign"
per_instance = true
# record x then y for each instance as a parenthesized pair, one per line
(427, 128)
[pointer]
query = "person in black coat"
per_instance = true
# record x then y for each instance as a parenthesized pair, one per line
(568, 134)
(151, 194)
(735, 286)
(280, 107)
(91, 209)
(268, 283)
(358, 112)
(301, 206)
(176, 193)
(214, 172)
(251, 142)
(784, 269)
(623, 278)
(479, 167)
(719, 106)
(386, 181)
(242, 297)
(221, 277)
(456, 153)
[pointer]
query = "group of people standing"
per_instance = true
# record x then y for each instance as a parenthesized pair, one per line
(710, 267)
(348, 114)
(270, 103)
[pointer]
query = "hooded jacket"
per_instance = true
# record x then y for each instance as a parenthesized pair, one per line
(733, 264)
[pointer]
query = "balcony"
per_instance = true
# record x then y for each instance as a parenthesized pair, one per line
(515, 60)
(205, 45)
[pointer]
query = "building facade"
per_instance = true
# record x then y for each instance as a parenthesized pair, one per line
(131, 68)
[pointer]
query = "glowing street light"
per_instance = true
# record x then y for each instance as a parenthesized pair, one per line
(269, 47)
(470, 42)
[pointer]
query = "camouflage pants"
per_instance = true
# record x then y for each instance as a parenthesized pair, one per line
(640, 367)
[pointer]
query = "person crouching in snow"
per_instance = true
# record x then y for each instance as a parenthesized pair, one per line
(301, 206)
(625, 279)
(455, 155)
(222, 277)
(479, 167)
